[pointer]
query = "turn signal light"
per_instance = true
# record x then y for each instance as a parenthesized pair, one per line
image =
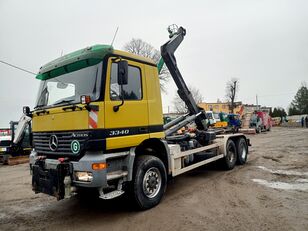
(85, 99)
(99, 166)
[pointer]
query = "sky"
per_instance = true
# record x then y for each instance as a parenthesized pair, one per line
(262, 43)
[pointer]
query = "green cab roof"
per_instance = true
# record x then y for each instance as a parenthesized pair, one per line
(74, 61)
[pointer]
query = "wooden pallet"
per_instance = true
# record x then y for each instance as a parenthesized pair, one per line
(248, 130)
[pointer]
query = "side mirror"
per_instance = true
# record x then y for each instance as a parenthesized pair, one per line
(26, 110)
(85, 99)
(122, 72)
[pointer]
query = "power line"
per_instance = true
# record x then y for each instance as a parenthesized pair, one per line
(19, 68)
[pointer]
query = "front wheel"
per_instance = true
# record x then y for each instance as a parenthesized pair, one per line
(150, 181)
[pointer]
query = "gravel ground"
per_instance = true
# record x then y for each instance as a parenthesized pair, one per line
(270, 192)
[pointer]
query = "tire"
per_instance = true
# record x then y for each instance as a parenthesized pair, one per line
(258, 130)
(229, 160)
(149, 181)
(269, 128)
(242, 150)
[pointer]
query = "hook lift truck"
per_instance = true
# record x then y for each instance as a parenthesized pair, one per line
(98, 124)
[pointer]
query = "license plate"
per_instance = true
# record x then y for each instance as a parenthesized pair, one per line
(2, 149)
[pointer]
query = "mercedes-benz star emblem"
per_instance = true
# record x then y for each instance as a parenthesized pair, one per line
(53, 142)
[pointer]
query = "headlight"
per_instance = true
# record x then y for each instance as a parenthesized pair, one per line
(84, 176)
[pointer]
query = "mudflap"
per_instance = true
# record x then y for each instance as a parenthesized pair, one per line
(248, 142)
(50, 181)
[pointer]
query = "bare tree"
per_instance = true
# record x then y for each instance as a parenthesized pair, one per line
(142, 48)
(231, 92)
(180, 106)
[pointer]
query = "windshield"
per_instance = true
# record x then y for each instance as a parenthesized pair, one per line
(67, 88)
(216, 116)
(209, 115)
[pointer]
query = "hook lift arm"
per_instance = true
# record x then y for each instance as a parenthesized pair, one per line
(167, 51)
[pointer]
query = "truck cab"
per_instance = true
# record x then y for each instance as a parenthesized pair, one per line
(92, 73)
(5, 139)
(266, 120)
(211, 118)
(84, 110)
(261, 121)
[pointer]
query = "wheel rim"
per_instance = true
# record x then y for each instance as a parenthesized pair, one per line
(231, 153)
(152, 182)
(244, 152)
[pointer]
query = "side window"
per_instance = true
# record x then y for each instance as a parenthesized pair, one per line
(131, 91)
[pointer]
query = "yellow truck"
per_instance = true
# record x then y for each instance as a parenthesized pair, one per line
(98, 125)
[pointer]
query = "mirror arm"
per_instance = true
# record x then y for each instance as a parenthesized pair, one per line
(117, 107)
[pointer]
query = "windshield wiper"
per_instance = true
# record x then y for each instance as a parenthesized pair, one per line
(42, 112)
(38, 106)
(64, 101)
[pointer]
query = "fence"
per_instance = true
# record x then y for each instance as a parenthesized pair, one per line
(289, 121)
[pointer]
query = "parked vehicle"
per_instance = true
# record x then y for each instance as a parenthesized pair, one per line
(8, 148)
(98, 124)
(256, 122)
(222, 121)
(266, 120)
(261, 121)
(234, 121)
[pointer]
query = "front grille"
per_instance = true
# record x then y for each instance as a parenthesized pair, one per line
(41, 142)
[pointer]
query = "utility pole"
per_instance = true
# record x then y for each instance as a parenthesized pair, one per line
(257, 102)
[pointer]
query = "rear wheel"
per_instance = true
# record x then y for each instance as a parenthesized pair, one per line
(231, 155)
(242, 151)
(150, 181)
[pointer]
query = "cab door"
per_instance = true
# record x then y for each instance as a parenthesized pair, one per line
(127, 126)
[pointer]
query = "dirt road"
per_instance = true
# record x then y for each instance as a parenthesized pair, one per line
(270, 192)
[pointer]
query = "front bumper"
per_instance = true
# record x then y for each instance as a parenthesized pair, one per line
(57, 177)
(53, 182)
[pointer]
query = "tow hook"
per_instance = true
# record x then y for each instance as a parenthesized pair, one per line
(69, 190)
